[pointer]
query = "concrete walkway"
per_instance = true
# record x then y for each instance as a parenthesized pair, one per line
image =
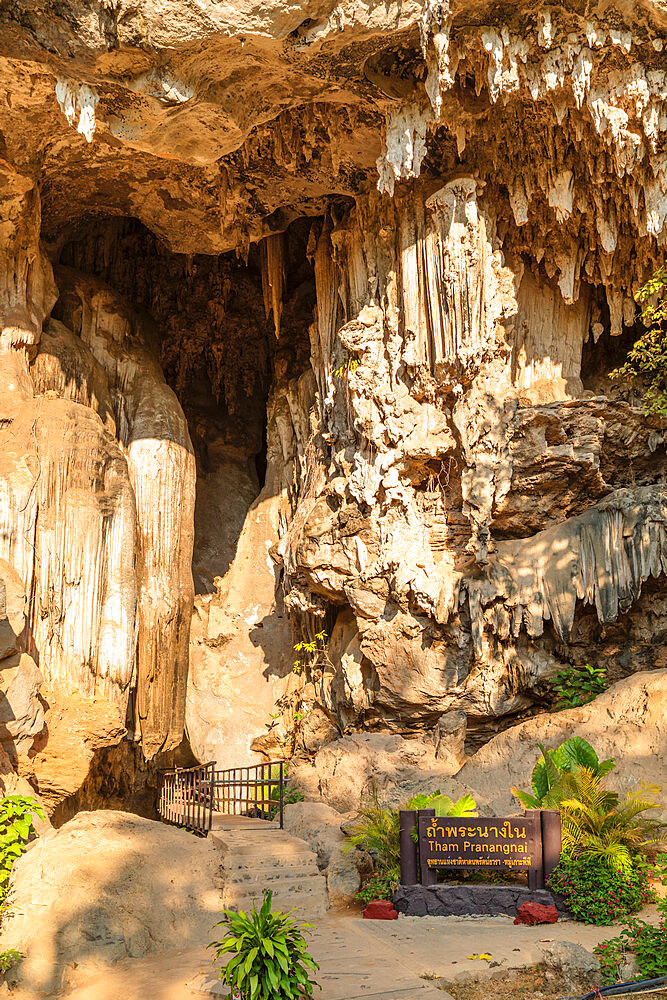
(358, 959)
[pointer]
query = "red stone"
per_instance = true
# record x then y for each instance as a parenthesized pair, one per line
(536, 913)
(380, 909)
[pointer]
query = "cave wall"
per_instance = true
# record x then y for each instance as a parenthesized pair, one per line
(299, 314)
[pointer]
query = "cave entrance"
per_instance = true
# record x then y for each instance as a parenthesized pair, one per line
(219, 353)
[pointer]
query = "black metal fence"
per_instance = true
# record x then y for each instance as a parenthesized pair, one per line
(189, 796)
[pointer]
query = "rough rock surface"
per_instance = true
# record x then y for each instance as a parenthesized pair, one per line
(626, 722)
(351, 771)
(364, 269)
(105, 886)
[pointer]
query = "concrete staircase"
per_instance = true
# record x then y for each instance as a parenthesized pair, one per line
(258, 855)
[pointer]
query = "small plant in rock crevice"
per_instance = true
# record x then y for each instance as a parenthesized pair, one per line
(266, 954)
(576, 686)
(9, 958)
(647, 359)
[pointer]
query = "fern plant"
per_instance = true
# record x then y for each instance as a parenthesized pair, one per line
(552, 767)
(266, 954)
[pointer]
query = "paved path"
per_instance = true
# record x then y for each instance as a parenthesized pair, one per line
(358, 958)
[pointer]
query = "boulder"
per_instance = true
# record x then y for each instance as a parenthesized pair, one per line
(12, 609)
(349, 772)
(21, 710)
(380, 909)
(345, 873)
(106, 886)
(536, 913)
(570, 958)
(318, 824)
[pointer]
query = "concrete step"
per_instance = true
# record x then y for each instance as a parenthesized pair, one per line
(307, 905)
(271, 872)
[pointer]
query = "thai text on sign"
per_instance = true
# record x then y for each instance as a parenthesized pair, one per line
(513, 842)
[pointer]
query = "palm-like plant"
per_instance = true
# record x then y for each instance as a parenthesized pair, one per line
(594, 823)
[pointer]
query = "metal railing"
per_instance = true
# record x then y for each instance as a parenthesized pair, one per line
(189, 796)
(185, 796)
(251, 791)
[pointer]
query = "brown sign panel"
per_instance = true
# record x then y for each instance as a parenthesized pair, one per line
(474, 842)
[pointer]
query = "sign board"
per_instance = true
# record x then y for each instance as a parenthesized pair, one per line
(473, 842)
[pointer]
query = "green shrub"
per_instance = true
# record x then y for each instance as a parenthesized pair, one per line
(267, 956)
(595, 894)
(647, 360)
(16, 831)
(379, 886)
(578, 685)
(648, 944)
(551, 768)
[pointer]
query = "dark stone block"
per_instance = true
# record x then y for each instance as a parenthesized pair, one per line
(470, 900)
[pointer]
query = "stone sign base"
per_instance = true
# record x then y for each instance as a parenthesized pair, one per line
(469, 900)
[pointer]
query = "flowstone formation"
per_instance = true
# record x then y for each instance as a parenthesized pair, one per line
(307, 318)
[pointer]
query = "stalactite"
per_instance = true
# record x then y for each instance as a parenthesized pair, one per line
(273, 277)
(602, 558)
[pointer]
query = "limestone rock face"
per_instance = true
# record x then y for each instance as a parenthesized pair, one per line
(106, 886)
(307, 314)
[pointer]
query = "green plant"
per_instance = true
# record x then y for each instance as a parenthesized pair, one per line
(610, 955)
(595, 894)
(316, 650)
(16, 831)
(382, 885)
(578, 685)
(9, 958)
(648, 944)
(647, 359)
(266, 952)
(549, 771)
(596, 825)
(376, 830)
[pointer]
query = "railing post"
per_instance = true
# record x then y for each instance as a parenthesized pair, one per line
(428, 876)
(282, 798)
(551, 840)
(536, 873)
(407, 820)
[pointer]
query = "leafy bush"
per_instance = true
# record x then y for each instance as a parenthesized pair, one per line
(550, 770)
(16, 831)
(379, 886)
(647, 359)
(267, 956)
(595, 894)
(647, 942)
(578, 685)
